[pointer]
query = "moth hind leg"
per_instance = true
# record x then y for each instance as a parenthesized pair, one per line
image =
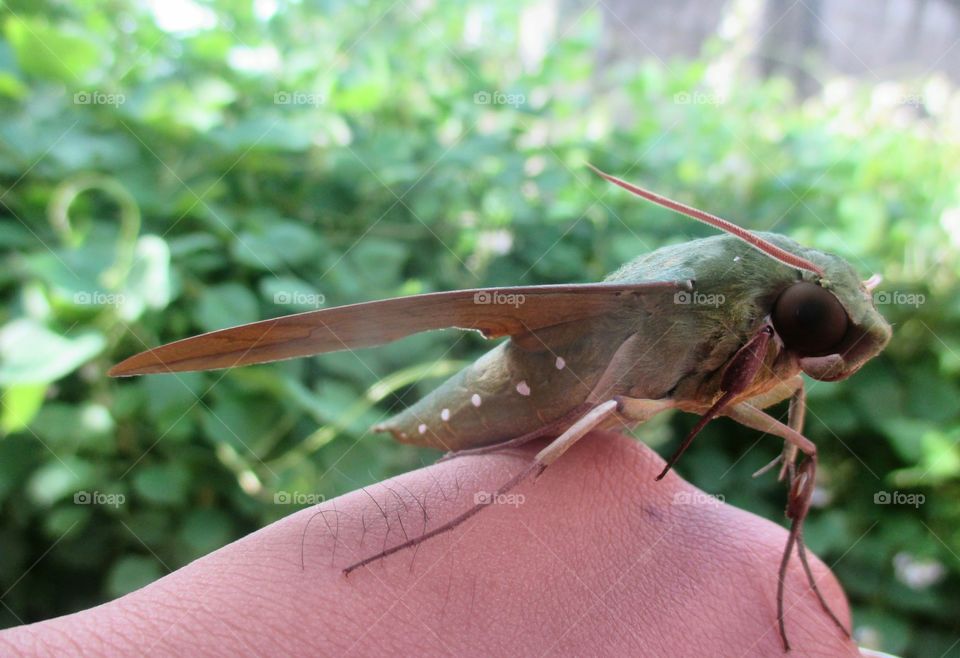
(553, 428)
(632, 410)
(540, 462)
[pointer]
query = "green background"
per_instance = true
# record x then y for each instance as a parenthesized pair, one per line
(156, 184)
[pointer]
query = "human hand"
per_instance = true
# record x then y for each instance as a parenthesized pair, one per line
(593, 558)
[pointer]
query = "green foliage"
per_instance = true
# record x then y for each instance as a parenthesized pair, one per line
(165, 186)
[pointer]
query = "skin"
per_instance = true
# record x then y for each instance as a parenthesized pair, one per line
(596, 558)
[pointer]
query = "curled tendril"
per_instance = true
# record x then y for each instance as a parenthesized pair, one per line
(58, 214)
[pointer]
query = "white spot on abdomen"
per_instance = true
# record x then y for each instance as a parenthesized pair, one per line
(445, 415)
(561, 363)
(523, 388)
(475, 400)
(422, 428)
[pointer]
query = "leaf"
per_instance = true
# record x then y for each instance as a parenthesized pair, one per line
(163, 484)
(32, 354)
(905, 435)
(18, 458)
(132, 572)
(20, 404)
(205, 530)
(275, 245)
(87, 425)
(52, 52)
(225, 305)
(59, 479)
(239, 421)
(148, 284)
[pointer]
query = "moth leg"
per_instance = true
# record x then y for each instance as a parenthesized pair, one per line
(544, 458)
(796, 414)
(794, 389)
(555, 427)
(798, 502)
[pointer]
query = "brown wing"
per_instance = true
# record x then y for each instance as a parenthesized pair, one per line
(492, 311)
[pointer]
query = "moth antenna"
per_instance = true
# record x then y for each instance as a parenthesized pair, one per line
(770, 249)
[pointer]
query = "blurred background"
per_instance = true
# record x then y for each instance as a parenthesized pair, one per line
(177, 166)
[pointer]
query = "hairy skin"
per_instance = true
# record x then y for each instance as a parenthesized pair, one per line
(593, 558)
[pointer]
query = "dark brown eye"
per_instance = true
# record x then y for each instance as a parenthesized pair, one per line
(809, 319)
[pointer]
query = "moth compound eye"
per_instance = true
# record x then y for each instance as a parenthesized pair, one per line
(810, 320)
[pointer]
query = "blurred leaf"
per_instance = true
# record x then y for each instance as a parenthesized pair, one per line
(206, 530)
(905, 436)
(32, 354)
(241, 422)
(59, 479)
(276, 245)
(147, 285)
(225, 305)
(163, 484)
(130, 573)
(49, 51)
(76, 426)
(20, 404)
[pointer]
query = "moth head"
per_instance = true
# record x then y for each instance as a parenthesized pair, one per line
(825, 318)
(829, 323)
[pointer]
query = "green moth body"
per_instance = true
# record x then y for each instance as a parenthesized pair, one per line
(674, 344)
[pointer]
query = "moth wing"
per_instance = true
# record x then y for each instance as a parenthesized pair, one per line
(492, 311)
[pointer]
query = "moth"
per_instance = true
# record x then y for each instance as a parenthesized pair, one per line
(720, 326)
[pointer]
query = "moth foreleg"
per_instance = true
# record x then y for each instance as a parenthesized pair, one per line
(544, 458)
(794, 389)
(796, 414)
(798, 502)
